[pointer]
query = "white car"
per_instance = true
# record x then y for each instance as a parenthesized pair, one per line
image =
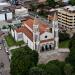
(10, 57)
(6, 50)
(0, 47)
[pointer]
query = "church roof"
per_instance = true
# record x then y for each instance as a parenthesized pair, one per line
(42, 28)
(26, 31)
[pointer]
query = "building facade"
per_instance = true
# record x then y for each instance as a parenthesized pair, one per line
(66, 17)
(21, 12)
(37, 35)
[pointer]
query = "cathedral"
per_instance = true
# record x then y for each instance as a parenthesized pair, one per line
(38, 35)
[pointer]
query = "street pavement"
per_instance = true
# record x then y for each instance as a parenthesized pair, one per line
(4, 59)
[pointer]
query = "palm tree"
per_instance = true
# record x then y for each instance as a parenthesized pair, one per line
(10, 26)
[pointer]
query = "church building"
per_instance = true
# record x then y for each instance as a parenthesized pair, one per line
(38, 35)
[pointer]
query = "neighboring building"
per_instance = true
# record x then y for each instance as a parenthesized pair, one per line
(66, 17)
(21, 12)
(5, 15)
(37, 35)
(61, 1)
(65, 1)
(4, 4)
(55, 0)
(14, 2)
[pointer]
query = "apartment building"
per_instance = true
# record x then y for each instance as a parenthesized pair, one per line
(66, 17)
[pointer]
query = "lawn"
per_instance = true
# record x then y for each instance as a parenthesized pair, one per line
(64, 44)
(11, 42)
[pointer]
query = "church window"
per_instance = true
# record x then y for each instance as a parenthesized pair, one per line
(45, 36)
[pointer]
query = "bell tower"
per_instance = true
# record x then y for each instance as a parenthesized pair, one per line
(36, 35)
(55, 31)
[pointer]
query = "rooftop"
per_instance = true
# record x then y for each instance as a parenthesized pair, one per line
(42, 26)
(30, 22)
(69, 9)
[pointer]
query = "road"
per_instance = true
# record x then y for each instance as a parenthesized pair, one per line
(5, 70)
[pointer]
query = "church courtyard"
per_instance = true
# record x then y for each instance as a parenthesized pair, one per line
(60, 54)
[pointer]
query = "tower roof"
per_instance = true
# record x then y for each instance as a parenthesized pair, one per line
(55, 17)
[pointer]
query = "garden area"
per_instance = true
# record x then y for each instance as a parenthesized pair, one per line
(64, 39)
(64, 44)
(11, 41)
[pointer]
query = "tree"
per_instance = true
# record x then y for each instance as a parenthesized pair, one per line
(63, 36)
(72, 2)
(51, 3)
(33, 7)
(34, 56)
(73, 73)
(72, 42)
(68, 69)
(10, 26)
(71, 58)
(37, 71)
(59, 64)
(22, 60)
(52, 69)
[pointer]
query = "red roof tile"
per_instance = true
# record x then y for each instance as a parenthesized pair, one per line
(43, 27)
(26, 31)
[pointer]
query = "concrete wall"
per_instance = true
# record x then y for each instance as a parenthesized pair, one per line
(12, 33)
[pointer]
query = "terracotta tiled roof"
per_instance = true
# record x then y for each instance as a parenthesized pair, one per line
(43, 27)
(46, 40)
(26, 31)
(29, 22)
(21, 29)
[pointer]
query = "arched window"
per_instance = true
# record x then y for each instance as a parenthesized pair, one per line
(46, 47)
(42, 49)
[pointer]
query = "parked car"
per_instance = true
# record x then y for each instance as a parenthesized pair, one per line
(6, 50)
(9, 57)
(0, 47)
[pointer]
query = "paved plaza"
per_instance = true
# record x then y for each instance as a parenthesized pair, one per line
(59, 54)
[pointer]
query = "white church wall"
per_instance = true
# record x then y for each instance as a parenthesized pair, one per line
(12, 33)
(25, 38)
(20, 36)
(16, 35)
(28, 41)
(49, 36)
